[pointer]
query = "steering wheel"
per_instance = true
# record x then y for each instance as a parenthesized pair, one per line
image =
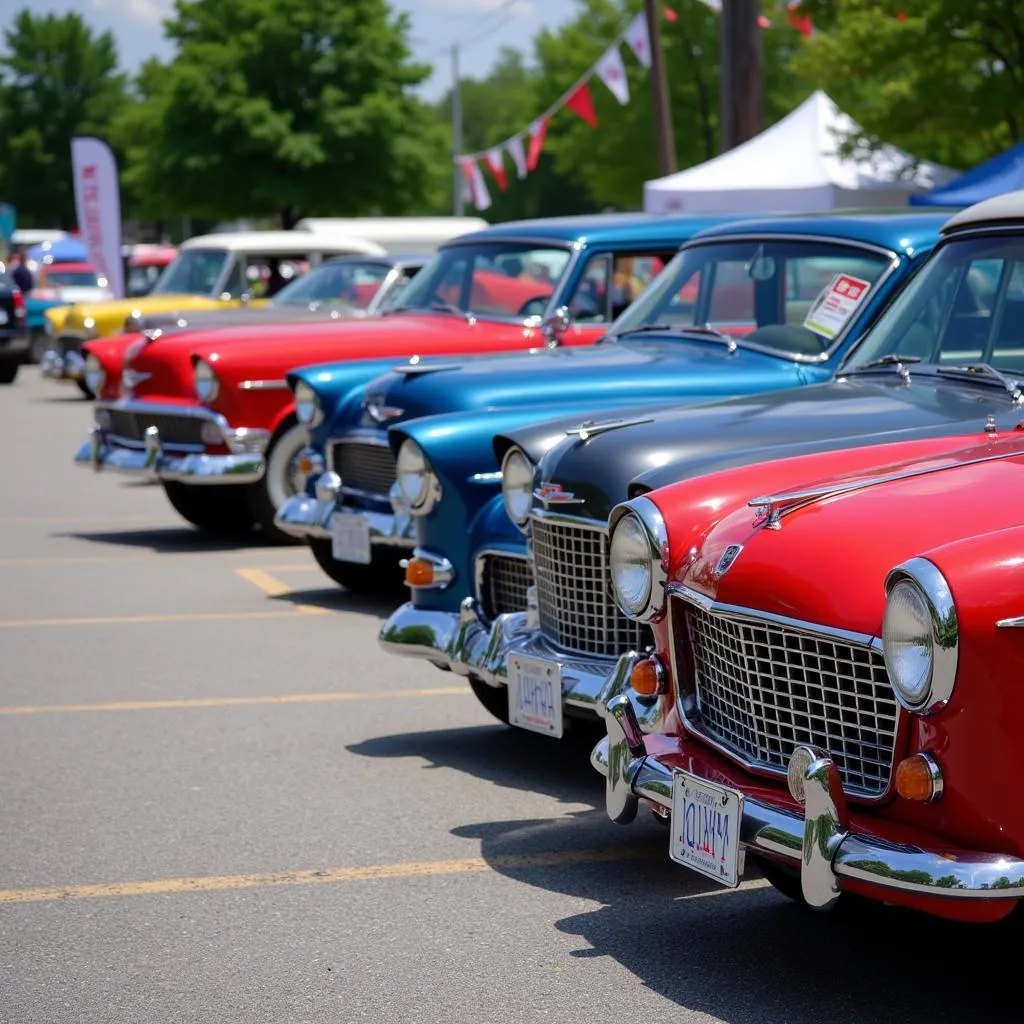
(534, 306)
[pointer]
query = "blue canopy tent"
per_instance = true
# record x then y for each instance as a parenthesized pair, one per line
(63, 250)
(1003, 173)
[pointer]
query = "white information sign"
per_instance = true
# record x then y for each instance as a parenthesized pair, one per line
(834, 307)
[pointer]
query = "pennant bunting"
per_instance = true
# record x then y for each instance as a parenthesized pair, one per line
(538, 133)
(638, 40)
(477, 186)
(515, 150)
(802, 23)
(670, 15)
(581, 103)
(612, 71)
(496, 162)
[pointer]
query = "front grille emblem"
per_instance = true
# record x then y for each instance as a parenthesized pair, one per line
(379, 412)
(729, 555)
(552, 494)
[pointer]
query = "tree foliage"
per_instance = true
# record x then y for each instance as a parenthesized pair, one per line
(942, 79)
(57, 80)
(293, 108)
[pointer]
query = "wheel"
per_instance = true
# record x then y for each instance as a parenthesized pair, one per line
(786, 882)
(84, 388)
(282, 478)
(222, 510)
(8, 371)
(383, 574)
(37, 346)
(493, 698)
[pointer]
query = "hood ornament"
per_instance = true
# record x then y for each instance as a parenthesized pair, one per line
(379, 412)
(552, 494)
(591, 428)
(729, 556)
(414, 367)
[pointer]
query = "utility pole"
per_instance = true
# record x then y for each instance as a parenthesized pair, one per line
(742, 72)
(659, 92)
(457, 177)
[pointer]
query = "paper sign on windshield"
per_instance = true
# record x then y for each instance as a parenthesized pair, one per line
(836, 304)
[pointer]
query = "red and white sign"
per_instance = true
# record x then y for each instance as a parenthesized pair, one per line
(98, 208)
(836, 304)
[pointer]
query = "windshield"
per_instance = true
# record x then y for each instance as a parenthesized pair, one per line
(141, 280)
(966, 305)
(194, 272)
(74, 278)
(351, 284)
(490, 279)
(795, 296)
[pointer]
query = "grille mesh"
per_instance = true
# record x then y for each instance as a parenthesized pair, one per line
(365, 467)
(574, 601)
(132, 425)
(505, 582)
(762, 689)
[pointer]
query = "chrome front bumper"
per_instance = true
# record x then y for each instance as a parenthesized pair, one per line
(820, 841)
(153, 461)
(307, 517)
(55, 366)
(466, 644)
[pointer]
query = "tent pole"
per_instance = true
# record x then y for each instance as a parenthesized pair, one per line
(659, 92)
(742, 74)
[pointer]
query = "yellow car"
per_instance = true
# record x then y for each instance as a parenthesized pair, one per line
(210, 271)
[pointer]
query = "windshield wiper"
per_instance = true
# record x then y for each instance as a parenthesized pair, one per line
(986, 370)
(704, 330)
(890, 359)
(450, 307)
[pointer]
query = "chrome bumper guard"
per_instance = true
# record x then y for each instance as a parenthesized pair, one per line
(153, 461)
(820, 841)
(55, 366)
(305, 517)
(465, 643)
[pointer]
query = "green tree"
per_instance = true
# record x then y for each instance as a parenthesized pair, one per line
(57, 80)
(957, 100)
(292, 108)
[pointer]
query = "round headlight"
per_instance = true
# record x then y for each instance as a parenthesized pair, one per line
(630, 560)
(307, 404)
(95, 375)
(920, 637)
(517, 485)
(206, 383)
(416, 480)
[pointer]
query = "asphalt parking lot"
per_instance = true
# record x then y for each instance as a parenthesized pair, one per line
(221, 802)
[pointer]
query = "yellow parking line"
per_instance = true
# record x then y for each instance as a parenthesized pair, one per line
(134, 620)
(226, 702)
(421, 869)
(273, 587)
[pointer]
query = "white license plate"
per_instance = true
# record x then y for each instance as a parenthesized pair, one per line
(350, 539)
(535, 695)
(706, 828)
(3, 316)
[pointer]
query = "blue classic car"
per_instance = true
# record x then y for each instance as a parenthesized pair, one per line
(744, 307)
(527, 609)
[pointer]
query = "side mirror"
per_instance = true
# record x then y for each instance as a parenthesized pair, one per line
(557, 323)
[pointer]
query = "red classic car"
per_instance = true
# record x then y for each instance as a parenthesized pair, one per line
(212, 408)
(833, 685)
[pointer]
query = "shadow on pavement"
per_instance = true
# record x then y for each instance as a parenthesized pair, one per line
(335, 599)
(174, 540)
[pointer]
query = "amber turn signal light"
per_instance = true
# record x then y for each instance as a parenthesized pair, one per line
(419, 573)
(648, 677)
(918, 778)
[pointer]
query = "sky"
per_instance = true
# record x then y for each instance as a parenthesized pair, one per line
(481, 27)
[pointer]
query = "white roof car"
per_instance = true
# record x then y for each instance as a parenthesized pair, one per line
(286, 243)
(411, 236)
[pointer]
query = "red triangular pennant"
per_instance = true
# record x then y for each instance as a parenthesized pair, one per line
(538, 132)
(495, 159)
(800, 22)
(582, 104)
(670, 15)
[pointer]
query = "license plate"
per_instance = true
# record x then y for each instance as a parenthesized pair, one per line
(706, 828)
(535, 695)
(3, 316)
(350, 539)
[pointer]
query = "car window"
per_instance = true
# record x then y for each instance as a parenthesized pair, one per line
(193, 272)
(610, 282)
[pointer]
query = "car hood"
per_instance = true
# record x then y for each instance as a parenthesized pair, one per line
(923, 504)
(611, 465)
(656, 371)
(102, 318)
(241, 316)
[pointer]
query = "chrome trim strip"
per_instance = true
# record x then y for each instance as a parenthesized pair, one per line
(1017, 622)
(263, 385)
(592, 428)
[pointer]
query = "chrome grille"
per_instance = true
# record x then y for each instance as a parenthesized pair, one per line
(762, 689)
(369, 468)
(504, 584)
(574, 600)
(132, 424)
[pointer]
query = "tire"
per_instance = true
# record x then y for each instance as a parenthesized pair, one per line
(493, 698)
(8, 371)
(277, 486)
(216, 510)
(382, 575)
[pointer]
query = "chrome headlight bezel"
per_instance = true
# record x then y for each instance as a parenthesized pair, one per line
(938, 620)
(412, 467)
(514, 461)
(205, 381)
(308, 410)
(650, 549)
(93, 373)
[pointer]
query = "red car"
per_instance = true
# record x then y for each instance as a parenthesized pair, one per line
(208, 412)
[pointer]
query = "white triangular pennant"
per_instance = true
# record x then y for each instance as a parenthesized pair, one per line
(638, 39)
(481, 197)
(518, 154)
(612, 71)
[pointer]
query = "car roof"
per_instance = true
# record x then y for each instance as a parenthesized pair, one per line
(1005, 209)
(284, 243)
(604, 228)
(900, 230)
(388, 259)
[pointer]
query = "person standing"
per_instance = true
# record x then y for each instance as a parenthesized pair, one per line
(20, 273)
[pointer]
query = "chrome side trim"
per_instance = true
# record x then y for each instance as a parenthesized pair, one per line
(1017, 622)
(263, 385)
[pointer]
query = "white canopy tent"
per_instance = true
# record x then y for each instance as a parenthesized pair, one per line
(795, 167)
